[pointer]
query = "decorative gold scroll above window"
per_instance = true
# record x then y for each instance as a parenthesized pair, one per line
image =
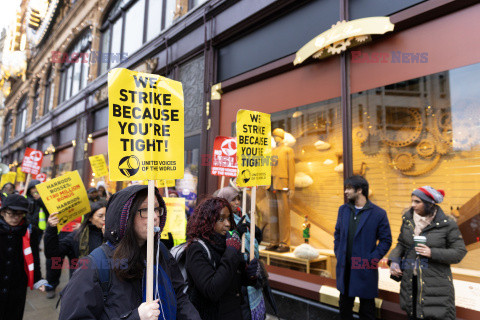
(341, 36)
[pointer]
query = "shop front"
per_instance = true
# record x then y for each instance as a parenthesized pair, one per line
(402, 111)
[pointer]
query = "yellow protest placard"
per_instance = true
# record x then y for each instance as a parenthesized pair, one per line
(99, 166)
(21, 176)
(66, 195)
(253, 149)
(176, 221)
(7, 177)
(145, 126)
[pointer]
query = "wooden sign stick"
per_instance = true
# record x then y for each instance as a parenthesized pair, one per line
(252, 223)
(27, 181)
(244, 212)
(150, 225)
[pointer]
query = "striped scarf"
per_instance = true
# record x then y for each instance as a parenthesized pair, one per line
(28, 257)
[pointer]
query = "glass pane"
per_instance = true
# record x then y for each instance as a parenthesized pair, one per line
(76, 77)
(169, 13)
(68, 82)
(198, 2)
(423, 131)
(61, 94)
(105, 50)
(86, 67)
(154, 18)
(134, 27)
(191, 75)
(50, 100)
(116, 42)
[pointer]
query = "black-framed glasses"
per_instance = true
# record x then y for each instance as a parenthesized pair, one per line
(144, 212)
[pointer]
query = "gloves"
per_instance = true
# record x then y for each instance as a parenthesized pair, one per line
(242, 227)
(234, 241)
(253, 269)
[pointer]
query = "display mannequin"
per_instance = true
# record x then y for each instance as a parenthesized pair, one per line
(281, 191)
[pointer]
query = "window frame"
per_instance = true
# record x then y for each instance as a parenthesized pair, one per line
(21, 119)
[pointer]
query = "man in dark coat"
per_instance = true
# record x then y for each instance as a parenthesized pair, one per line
(360, 224)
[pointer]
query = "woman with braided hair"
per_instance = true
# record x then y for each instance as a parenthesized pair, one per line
(215, 267)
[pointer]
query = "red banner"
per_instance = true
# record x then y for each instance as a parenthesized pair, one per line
(32, 161)
(224, 157)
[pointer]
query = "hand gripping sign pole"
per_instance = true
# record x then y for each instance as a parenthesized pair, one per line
(145, 138)
(253, 158)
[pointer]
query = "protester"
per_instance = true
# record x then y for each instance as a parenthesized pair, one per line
(426, 290)
(36, 218)
(360, 224)
(102, 190)
(17, 266)
(255, 304)
(85, 297)
(54, 266)
(7, 189)
(216, 276)
(93, 195)
(82, 241)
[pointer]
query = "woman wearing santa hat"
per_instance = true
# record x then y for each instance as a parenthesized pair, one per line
(426, 291)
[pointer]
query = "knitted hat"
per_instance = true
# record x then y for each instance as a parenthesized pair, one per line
(429, 194)
(228, 193)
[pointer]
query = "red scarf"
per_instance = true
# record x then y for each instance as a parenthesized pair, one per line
(28, 258)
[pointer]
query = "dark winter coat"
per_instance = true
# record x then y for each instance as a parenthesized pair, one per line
(435, 294)
(365, 253)
(215, 291)
(13, 278)
(69, 246)
(82, 298)
(35, 206)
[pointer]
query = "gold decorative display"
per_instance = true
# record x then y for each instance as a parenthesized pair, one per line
(425, 148)
(342, 36)
(403, 161)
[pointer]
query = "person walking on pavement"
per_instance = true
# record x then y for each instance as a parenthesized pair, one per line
(426, 290)
(17, 266)
(360, 224)
(87, 297)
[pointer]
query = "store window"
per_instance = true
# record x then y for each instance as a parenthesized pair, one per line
(21, 121)
(36, 101)
(423, 131)
(99, 147)
(7, 129)
(49, 90)
(67, 134)
(63, 161)
(307, 141)
(100, 119)
(74, 72)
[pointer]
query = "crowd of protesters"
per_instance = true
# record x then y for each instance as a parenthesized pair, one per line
(216, 280)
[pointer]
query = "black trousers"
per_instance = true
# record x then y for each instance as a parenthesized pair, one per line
(367, 308)
(414, 298)
(54, 269)
(12, 303)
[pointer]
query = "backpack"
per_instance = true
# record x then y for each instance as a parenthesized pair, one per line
(102, 263)
(179, 253)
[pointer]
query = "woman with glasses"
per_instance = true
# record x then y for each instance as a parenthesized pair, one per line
(123, 296)
(79, 243)
(17, 267)
(215, 267)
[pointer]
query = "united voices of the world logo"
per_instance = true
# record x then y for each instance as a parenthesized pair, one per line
(129, 165)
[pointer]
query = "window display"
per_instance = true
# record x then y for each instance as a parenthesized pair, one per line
(423, 131)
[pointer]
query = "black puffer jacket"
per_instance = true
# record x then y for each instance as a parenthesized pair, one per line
(435, 294)
(35, 206)
(82, 298)
(69, 246)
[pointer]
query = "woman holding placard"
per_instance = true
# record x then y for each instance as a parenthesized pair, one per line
(82, 241)
(215, 267)
(429, 242)
(110, 283)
